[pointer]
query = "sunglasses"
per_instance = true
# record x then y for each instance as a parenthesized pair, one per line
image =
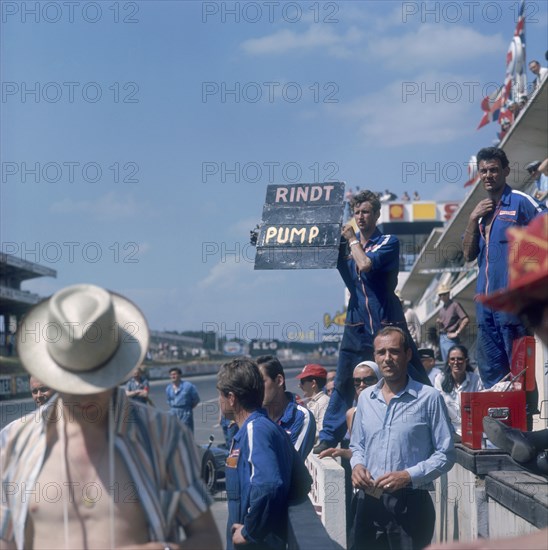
(367, 380)
(41, 389)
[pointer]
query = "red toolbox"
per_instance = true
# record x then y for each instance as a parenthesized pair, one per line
(508, 406)
(523, 359)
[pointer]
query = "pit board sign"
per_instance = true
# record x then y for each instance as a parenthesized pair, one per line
(301, 226)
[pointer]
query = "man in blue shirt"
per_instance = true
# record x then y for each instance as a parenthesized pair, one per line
(137, 387)
(259, 464)
(370, 273)
(182, 397)
(297, 421)
(485, 239)
(401, 441)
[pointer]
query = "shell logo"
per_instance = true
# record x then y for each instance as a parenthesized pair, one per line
(396, 212)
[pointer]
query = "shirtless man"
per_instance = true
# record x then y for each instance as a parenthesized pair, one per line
(95, 470)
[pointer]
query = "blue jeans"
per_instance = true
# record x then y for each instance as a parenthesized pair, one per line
(496, 334)
(446, 344)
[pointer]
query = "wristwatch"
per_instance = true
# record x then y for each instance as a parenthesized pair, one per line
(352, 243)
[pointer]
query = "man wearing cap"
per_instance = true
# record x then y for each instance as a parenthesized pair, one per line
(451, 321)
(123, 474)
(485, 240)
(282, 408)
(428, 359)
(370, 273)
(313, 378)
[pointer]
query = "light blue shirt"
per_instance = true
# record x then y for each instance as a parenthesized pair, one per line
(413, 432)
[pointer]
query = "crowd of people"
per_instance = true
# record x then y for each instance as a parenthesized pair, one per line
(513, 106)
(388, 412)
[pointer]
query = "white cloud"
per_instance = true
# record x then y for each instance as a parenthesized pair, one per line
(105, 207)
(316, 37)
(431, 109)
(433, 46)
(229, 274)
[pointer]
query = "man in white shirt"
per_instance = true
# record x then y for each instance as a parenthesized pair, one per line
(312, 381)
(539, 72)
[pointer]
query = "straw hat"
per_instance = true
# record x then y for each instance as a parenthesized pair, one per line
(444, 289)
(82, 340)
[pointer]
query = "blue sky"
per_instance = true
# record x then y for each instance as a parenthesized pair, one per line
(156, 127)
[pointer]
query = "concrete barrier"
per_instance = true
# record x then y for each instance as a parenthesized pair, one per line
(481, 497)
(328, 496)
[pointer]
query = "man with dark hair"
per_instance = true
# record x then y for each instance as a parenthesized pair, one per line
(428, 359)
(539, 72)
(485, 239)
(401, 441)
(297, 421)
(259, 464)
(370, 273)
(182, 397)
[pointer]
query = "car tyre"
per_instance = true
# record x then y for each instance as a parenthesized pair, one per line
(209, 472)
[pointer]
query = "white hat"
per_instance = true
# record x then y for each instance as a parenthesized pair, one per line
(373, 366)
(82, 340)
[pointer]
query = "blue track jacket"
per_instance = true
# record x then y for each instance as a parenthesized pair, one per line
(258, 478)
(300, 425)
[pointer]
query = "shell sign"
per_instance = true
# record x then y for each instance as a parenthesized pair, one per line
(396, 212)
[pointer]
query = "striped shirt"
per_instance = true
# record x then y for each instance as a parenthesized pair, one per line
(159, 453)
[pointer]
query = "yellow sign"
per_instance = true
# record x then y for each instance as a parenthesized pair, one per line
(338, 319)
(424, 211)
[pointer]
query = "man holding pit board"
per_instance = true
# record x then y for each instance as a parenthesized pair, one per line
(369, 267)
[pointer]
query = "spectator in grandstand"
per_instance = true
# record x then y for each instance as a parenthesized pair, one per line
(457, 377)
(539, 72)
